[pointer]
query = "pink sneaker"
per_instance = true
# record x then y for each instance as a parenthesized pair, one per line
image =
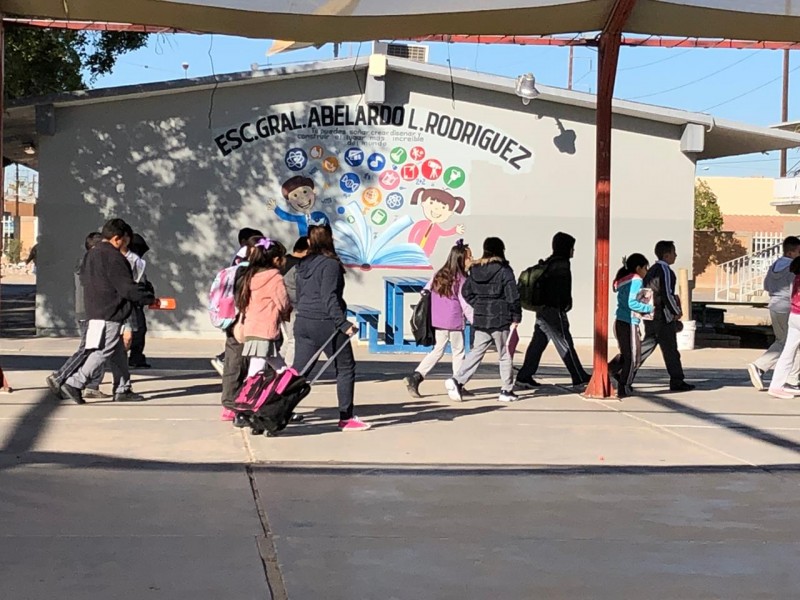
(353, 424)
(227, 414)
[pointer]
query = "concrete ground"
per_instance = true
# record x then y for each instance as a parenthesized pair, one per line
(660, 496)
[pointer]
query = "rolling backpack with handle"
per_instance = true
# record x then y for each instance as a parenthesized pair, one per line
(267, 400)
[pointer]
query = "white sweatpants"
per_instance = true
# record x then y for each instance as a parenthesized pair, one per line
(443, 336)
(786, 361)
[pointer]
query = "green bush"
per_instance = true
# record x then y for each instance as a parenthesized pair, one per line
(12, 248)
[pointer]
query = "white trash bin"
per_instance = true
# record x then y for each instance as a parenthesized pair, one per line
(686, 337)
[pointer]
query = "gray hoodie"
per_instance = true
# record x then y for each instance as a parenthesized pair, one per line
(778, 283)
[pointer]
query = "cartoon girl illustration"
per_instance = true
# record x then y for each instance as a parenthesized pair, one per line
(437, 206)
(299, 194)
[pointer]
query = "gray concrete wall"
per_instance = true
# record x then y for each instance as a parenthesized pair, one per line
(153, 162)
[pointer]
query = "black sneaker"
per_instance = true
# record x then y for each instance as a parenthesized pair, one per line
(412, 384)
(527, 384)
(54, 386)
(681, 386)
(141, 365)
(296, 418)
(72, 393)
(128, 396)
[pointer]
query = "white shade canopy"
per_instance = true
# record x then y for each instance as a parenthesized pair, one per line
(354, 20)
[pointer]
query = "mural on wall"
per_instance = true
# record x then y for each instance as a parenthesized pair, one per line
(391, 181)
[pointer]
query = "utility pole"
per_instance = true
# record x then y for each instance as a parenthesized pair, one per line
(569, 68)
(785, 104)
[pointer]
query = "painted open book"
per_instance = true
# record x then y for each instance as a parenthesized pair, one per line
(358, 246)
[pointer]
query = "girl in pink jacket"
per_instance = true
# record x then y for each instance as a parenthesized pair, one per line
(263, 305)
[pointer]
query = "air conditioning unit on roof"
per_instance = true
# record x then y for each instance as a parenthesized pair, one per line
(415, 52)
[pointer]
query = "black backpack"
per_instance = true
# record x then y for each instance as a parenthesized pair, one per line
(530, 284)
(424, 333)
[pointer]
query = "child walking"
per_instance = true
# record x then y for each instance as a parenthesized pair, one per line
(448, 311)
(780, 375)
(628, 284)
(263, 304)
(491, 290)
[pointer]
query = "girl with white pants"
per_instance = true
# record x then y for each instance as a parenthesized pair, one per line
(448, 312)
(781, 373)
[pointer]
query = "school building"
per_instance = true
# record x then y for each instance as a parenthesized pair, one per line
(402, 158)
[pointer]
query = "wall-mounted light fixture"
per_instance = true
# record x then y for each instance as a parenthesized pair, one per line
(526, 88)
(29, 149)
(375, 92)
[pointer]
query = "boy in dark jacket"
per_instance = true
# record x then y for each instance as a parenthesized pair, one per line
(552, 323)
(662, 331)
(74, 362)
(491, 290)
(138, 247)
(110, 293)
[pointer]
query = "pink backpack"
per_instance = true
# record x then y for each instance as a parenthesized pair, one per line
(222, 299)
(263, 388)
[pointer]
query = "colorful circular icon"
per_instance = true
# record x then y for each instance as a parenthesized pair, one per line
(389, 180)
(349, 183)
(409, 171)
(379, 216)
(316, 152)
(296, 159)
(398, 155)
(330, 164)
(394, 200)
(454, 177)
(376, 162)
(417, 153)
(371, 197)
(431, 169)
(354, 157)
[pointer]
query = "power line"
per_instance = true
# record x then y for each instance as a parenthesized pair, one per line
(655, 62)
(687, 84)
(748, 92)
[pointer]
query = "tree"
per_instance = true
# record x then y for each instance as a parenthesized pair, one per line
(707, 215)
(41, 61)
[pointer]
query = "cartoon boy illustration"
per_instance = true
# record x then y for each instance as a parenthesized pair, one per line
(437, 206)
(301, 198)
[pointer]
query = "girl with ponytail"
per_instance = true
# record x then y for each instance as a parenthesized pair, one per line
(630, 307)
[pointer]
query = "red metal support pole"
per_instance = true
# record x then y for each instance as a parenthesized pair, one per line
(608, 51)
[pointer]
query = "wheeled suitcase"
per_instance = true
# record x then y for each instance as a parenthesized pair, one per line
(267, 400)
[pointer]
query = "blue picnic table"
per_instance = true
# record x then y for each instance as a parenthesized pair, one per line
(395, 289)
(368, 318)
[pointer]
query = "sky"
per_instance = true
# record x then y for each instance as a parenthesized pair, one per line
(742, 85)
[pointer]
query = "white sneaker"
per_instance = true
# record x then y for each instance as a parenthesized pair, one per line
(780, 393)
(453, 390)
(755, 377)
(218, 365)
(507, 396)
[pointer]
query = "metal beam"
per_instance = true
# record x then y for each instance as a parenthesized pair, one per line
(653, 41)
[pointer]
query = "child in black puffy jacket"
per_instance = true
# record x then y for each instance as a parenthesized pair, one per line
(491, 290)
